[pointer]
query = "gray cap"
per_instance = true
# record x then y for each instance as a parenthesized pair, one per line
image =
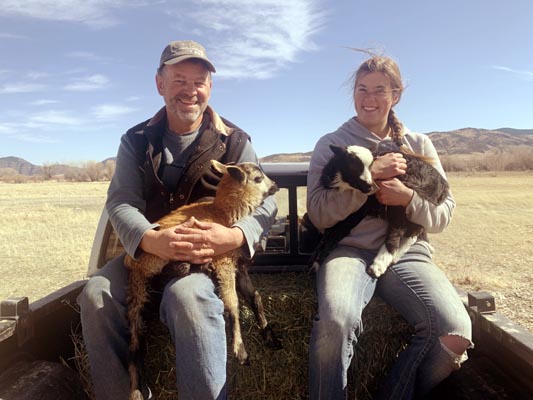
(182, 50)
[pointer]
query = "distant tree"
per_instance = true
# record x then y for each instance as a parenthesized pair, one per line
(109, 169)
(47, 171)
(94, 170)
(9, 175)
(75, 175)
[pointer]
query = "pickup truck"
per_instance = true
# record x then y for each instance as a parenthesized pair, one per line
(40, 348)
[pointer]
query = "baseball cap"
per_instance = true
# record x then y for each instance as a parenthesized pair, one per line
(182, 50)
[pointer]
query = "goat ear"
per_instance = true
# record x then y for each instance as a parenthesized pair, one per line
(338, 150)
(218, 166)
(236, 173)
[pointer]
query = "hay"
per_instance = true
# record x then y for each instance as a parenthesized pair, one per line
(290, 306)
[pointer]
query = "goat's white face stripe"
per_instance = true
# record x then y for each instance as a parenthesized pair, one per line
(366, 157)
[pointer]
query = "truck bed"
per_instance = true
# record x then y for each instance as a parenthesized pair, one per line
(39, 357)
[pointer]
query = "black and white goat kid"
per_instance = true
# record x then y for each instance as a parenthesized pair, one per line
(349, 169)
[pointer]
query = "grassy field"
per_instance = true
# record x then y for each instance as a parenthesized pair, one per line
(48, 230)
(489, 244)
(47, 233)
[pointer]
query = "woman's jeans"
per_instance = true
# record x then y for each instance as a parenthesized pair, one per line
(189, 308)
(417, 289)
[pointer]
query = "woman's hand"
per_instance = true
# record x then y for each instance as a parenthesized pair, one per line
(392, 192)
(388, 166)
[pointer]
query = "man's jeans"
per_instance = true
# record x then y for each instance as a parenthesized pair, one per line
(417, 289)
(189, 308)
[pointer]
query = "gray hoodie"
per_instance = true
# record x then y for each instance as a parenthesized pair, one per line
(326, 207)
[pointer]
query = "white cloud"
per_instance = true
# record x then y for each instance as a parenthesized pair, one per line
(108, 111)
(33, 137)
(5, 129)
(88, 83)
(95, 13)
(25, 132)
(7, 35)
(37, 75)
(526, 75)
(54, 117)
(252, 39)
(21, 87)
(43, 102)
(86, 56)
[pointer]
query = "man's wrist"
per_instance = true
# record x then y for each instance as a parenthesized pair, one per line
(239, 238)
(146, 240)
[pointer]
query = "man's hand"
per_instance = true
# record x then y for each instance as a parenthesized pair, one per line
(209, 235)
(169, 245)
(388, 166)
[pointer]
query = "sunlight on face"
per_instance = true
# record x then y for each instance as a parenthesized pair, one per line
(186, 89)
(374, 97)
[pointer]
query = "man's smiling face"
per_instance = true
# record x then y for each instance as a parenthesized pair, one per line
(186, 89)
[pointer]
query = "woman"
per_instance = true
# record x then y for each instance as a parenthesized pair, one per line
(414, 286)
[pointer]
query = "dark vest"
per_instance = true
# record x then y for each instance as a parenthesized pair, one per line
(198, 179)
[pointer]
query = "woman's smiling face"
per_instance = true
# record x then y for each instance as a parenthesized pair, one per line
(373, 98)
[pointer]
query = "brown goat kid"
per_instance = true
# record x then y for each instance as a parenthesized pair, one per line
(242, 188)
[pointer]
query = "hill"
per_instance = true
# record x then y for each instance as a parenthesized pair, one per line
(472, 140)
(23, 167)
(461, 141)
(287, 157)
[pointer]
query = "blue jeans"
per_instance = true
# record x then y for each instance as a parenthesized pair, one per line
(415, 287)
(190, 309)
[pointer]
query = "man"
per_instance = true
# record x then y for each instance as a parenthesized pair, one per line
(162, 164)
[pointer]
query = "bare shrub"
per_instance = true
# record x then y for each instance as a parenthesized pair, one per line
(8, 174)
(109, 169)
(462, 162)
(521, 158)
(75, 175)
(47, 171)
(510, 158)
(93, 170)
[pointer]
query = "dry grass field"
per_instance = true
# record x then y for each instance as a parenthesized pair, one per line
(46, 236)
(48, 228)
(489, 244)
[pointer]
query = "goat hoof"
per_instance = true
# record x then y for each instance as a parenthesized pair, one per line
(242, 356)
(270, 338)
(136, 395)
(373, 273)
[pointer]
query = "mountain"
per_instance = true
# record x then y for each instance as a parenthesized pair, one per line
(472, 140)
(287, 157)
(461, 141)
(23, 167)
(517, 131)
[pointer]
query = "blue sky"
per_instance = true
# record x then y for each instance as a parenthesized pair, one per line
(76, 74)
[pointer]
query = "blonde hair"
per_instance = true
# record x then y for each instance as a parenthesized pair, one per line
(388, 67)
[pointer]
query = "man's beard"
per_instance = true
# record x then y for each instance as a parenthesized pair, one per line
(189, 116)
